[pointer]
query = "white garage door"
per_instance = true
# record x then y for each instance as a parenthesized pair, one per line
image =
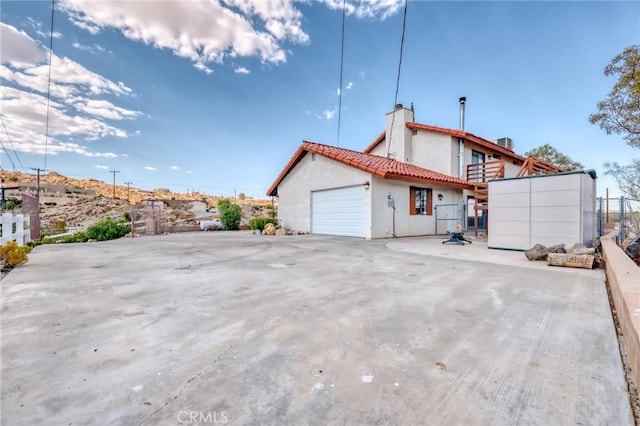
(338, 211)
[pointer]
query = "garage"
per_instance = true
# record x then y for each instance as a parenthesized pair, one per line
(338, 211)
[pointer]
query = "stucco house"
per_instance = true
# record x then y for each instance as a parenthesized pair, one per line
(414, 179)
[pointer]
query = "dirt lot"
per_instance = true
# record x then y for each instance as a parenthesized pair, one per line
(234, 328)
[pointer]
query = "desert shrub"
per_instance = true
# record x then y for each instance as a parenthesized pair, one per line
(12, 255)
(59, 226)
(127, 216)
(107, 229)
(12, 203)
(258, 223)
(230, 214)
(78, 237)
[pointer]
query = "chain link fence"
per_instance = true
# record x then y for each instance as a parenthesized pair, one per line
(618, 215)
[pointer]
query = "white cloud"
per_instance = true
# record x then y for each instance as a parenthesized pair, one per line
(361, 74)
(18, 48)
(175, 168)
(329, 113)
(242, 70)
(93, 49)
(205, 32)
(349, 85)
(74, 112)
(367, 9)
(149, 168)
(338, 91)
(101, 167)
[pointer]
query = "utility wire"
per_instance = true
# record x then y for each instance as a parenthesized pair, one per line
(341, 72)
(395, 99)
(46, 130)
(8, 156)
(11, 142)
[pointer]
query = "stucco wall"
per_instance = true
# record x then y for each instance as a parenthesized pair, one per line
(400, 148)
(433, 151)
(294, 192)
(510, 169)
(405, 224)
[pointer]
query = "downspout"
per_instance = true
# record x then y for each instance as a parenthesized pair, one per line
(462, 173)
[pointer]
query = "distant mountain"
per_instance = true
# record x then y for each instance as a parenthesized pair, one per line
(135, 195)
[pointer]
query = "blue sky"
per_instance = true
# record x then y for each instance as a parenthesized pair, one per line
(215, 96)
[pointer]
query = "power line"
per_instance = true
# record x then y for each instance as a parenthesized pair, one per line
(341, 72)
(395, 99)
(46, 130)
(8, 156)
(11, 142)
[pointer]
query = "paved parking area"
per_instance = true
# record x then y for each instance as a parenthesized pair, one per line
(242, 329)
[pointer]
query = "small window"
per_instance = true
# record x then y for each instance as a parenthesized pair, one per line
(496, 156)
(420, 201)
(516, 163)
(313, 156)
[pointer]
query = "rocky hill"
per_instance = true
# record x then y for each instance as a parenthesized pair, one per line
(85, 211)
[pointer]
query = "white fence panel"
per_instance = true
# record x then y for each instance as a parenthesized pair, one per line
(21, 234)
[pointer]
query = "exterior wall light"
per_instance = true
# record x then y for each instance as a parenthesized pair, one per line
(366, 185)
(440, 197)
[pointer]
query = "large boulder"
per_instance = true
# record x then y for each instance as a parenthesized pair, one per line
(558, 248)
(269, 229)
(281, 231)
(579, 248)
(537, 252)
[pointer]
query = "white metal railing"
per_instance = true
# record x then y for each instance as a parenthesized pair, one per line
(15, 227)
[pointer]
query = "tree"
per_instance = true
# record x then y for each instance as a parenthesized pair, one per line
(548, 153)
(628, 177)
(620, 111)
(230, 214)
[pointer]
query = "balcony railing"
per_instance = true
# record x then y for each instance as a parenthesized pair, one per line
(482, 172)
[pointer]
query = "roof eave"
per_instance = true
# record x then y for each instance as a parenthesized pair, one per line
(295, 159)
(428, 181)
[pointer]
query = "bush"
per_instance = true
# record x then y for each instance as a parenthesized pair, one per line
(107, 229)
(12, 255)
(59, 226)
(230, 214)
(12, 203)
(258, 223)
(127, 216)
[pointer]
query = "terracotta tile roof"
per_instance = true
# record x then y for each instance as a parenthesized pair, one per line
(385, 168)
(470, 137)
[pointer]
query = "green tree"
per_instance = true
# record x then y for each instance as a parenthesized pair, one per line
(620, 111)
(230, 214)
(548, 153)
(627, 177)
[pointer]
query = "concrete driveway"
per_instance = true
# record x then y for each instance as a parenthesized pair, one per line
(213, 328)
